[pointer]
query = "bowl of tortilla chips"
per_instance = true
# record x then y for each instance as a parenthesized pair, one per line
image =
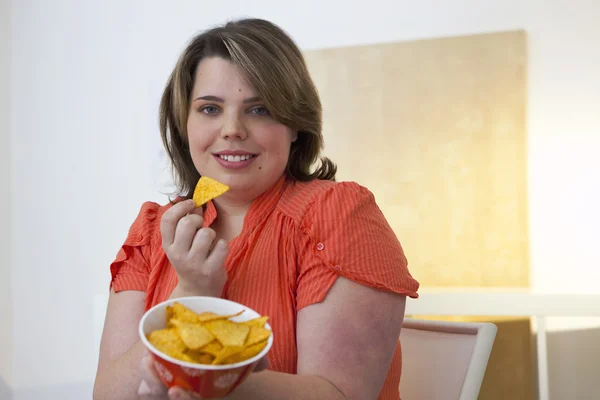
(205, 345)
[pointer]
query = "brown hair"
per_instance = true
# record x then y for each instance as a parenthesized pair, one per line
(275, 68)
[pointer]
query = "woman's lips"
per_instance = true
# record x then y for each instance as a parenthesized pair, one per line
(235, 161)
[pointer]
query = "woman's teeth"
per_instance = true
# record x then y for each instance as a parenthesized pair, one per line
(236, 158)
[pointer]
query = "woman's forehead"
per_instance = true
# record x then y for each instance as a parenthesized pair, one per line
(219, 77)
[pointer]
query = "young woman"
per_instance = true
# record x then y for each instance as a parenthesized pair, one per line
(315, 255)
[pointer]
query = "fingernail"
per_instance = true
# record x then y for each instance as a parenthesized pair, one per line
(206, 233)
(143, 390)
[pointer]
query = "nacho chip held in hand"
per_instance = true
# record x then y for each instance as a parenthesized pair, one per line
(208, 338)
(207, 189)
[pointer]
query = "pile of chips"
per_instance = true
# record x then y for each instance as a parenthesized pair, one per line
(209, 338)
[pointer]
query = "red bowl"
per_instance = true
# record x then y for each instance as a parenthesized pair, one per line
(205, 380)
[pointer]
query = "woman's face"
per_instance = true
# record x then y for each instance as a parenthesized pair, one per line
(232, 136)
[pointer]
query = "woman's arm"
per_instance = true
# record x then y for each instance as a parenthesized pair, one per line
(118, 377)
(345, 347)
(199, 273)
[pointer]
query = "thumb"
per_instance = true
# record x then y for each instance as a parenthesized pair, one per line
(262, 365)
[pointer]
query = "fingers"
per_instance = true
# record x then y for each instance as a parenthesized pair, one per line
(187, 227)
(176, 393)
(202, 243)
(170, 219)
(151, 386)
(145, 393)
(217, 257)
(149, 376)
(192, 250)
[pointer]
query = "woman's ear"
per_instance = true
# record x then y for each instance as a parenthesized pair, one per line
(294, 136)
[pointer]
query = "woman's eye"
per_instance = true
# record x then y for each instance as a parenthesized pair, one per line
(261, 110)
(209, 110)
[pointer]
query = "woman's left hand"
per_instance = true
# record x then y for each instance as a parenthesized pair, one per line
(152, 388)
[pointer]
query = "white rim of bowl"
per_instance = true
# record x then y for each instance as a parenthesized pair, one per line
(187, 364)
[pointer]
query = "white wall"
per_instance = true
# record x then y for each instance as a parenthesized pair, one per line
(564, 129)
(86, 80)
(5, 305)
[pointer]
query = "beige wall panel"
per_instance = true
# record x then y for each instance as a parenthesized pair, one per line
(436, 129)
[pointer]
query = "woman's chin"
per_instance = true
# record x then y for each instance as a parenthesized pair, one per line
(243, 190)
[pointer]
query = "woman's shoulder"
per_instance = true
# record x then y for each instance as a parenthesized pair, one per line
(147, 222)
(153, 208)
(301, 197)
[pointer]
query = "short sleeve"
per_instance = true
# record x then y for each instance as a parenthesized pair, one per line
(344, 233)
(131, 268)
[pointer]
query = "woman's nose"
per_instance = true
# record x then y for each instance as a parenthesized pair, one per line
(233, 128)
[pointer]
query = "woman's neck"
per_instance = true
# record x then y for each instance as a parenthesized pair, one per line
(231, 209)
(230, 217)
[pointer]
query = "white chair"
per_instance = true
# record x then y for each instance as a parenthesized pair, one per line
(444, 360)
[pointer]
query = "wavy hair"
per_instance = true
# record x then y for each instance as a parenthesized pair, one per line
(274, 66)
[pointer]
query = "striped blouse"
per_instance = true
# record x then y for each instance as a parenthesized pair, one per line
(297, 238)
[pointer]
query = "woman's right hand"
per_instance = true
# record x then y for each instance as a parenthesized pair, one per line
(189, 247)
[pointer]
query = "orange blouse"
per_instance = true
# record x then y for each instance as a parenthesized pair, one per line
(297, 238)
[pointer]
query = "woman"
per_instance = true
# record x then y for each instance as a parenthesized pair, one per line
(316, 256)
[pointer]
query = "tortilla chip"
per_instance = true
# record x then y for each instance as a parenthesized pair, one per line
(226, 353)
(228, 333)
(253, 350)
(167, 341)
(170, 314)
(207, 189)
(208, 316)
(194, 336)
(200, 358)
(182, 314)
(247, 353)
(256, 335)
(258, 322)
(213, 348)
